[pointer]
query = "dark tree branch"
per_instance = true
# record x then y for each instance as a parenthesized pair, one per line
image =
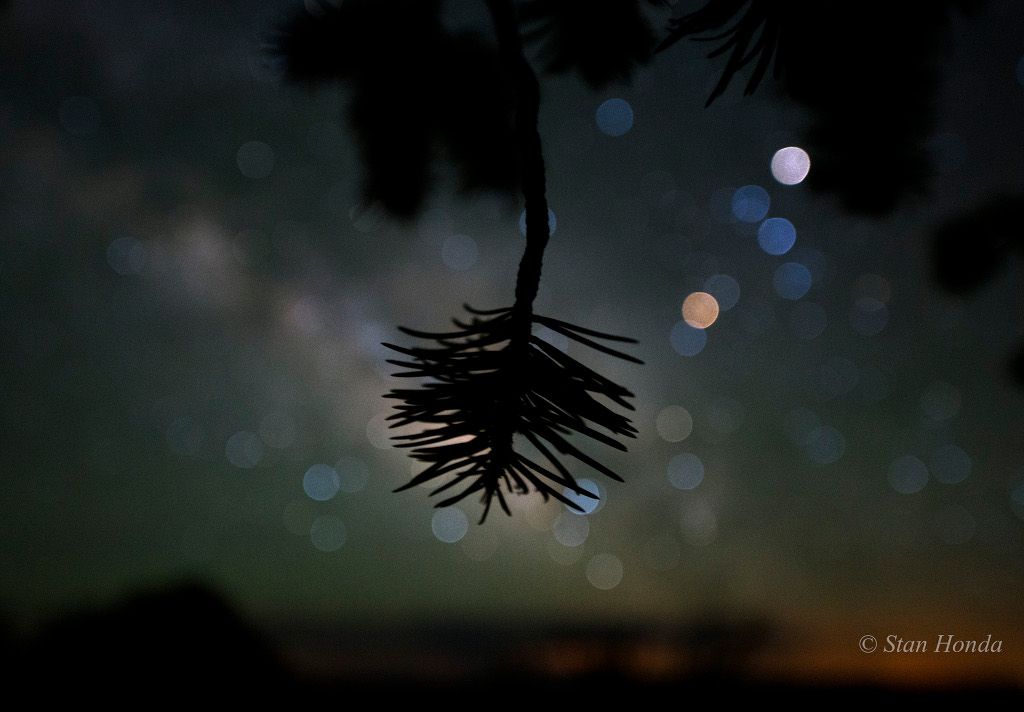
(492, 378)
(526, 95)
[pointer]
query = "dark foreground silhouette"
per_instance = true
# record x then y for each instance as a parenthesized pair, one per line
(978, 246)
(186, 643)
(489, 386)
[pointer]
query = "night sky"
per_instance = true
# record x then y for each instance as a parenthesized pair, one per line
(193, 296)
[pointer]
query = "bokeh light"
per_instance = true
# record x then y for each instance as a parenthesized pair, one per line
(559, 341)
(950, 464)
(685, 471)
(552, 222)
(321, 482)
(244, 450)
(604, 571)
(750, 203)
(698, 523)
(700, 310)
(791, 280)
(940, 402)
(126, 255)
(255, 159)
(686, 340)
(459, 252)
(674, 423)
(874, 286)
(790, 165)
(825, 445)
(724, 289)
(776, 236)
(587, 504)
(814, 260)
(378, 431)
(570, 529)
(614, 117)
(908, 475)
(449, 524)
(868, 316)
(328, 533)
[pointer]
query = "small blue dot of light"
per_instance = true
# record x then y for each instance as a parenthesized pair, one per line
(321, 482)
(951, 464)
(686, 340)
(724, 289)
(869, 316)
(328, 533)
(552, 222)
(825, 445)
(908, 475)
(750, 203)
(685, 471)
(776, 236)
(449, 524)
(587, 504)
(792, 280)
(459, 252)
(614, 117)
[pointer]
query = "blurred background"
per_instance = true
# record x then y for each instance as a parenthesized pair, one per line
(195, 467)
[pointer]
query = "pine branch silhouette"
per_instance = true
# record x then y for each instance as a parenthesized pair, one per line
(491, 381)
(603, 44)
(866, 71)
(727, 22)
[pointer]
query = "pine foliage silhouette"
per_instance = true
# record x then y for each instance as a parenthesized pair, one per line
(489, 386)
(602, 42)
(491, 380)
(747, 31)
(972, 247)
(866, 71)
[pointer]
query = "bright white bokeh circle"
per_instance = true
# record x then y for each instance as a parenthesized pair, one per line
(790, 165)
